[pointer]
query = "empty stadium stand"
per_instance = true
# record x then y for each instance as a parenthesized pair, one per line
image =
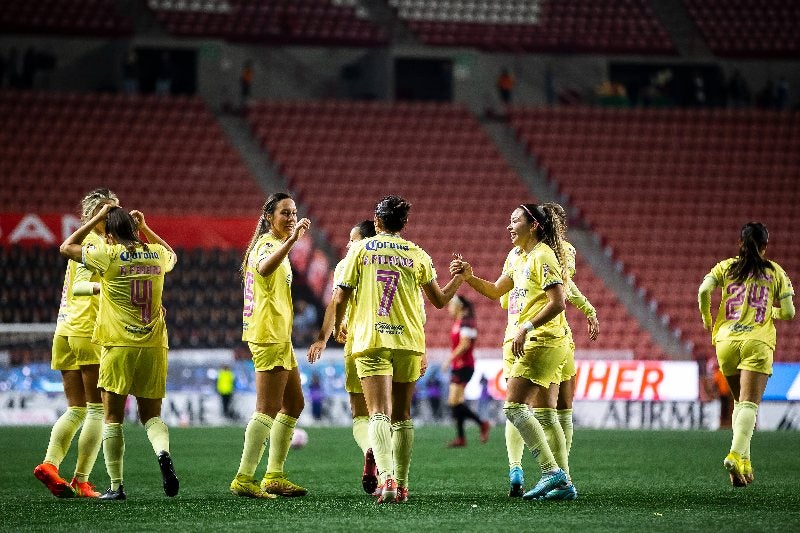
(166, 153)
(748, 28)
(313, 22)
(342, 157)
(669, 190)
(591, 26)
(96, 18)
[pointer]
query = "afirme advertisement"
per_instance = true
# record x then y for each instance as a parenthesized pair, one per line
(626, 394)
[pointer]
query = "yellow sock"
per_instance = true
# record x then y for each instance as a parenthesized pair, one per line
(554, 434)
(532, 433)
(280, 438)
(89, 442)
(746, 454)
(114, 452)
(380, 439)
(743, 427)
(361, 432)
(402, 442)
(255, 436)
(515, 446)
(158, 434)
(62, 434)
(565, 420)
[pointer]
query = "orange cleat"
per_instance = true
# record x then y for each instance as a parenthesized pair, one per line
(388, 491)
(402, 494)
(48, 474)
(83, 489)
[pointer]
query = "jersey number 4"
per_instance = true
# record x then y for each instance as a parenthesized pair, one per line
(389, 278)
(142, 297)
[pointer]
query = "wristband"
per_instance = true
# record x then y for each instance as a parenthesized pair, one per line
(527, 326)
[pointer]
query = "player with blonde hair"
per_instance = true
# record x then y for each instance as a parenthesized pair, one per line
(78, 359)
(755, 292)
(267, 329)
(132, 332)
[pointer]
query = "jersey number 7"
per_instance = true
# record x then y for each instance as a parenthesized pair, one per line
(389, 278)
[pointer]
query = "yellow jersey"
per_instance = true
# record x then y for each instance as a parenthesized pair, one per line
(268, 313)
(387, 273)
(532, 275)
(131, 285)
(77, 314)
(337, 275)
(508, 264)
(745, 311)
(569, 258)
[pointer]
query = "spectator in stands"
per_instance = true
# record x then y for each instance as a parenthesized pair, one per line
(505, 86)
(744, 333)
(130, 73)
(165, 73)
(738, 90)
(246, 82)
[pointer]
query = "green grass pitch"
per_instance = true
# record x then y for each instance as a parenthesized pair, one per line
(628, 481)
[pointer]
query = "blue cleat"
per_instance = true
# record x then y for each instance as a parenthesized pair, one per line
(566, 491)
(546, 484)
(517, 480)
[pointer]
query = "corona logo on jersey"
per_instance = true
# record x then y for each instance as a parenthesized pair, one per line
(609, 380)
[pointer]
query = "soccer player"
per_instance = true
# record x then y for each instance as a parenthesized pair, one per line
(267, 328)
(383, 275)
(755, 292)
(537, 340)
(132, 332)
(463, 336)
(358, 405)
(562, 394)
(78, 359)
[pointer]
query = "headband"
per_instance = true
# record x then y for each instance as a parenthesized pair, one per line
(536, 211)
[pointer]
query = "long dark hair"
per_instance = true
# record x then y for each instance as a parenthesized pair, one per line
(469, 309)
(754, 238)
(366, 228)
(392, 211)
(263, 224)
(549, 231)
(124, 228)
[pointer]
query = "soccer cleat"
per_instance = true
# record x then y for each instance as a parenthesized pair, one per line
(369, 479)
(485, 431)
(733, 464)
(547, 483)
(378, 491)
(566, 491)
(112, 494)
(458, 442)
(83, 489)
(388, 491)
(245, 486)
(516, 479)
(747, 471)
(279, 485)
(171, 484)
(48, 474)
(402, 494)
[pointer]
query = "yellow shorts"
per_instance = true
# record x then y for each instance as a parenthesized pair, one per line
(569, 369)
(71, 353)
(750, 354)
(403, 365)
(272, 355)
(508, 360)
(130, 370)
(541, 364)
(352, 383)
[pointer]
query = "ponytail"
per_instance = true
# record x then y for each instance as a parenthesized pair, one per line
(555, 213)
(263, 226)
(749, 262)
(550, 231)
